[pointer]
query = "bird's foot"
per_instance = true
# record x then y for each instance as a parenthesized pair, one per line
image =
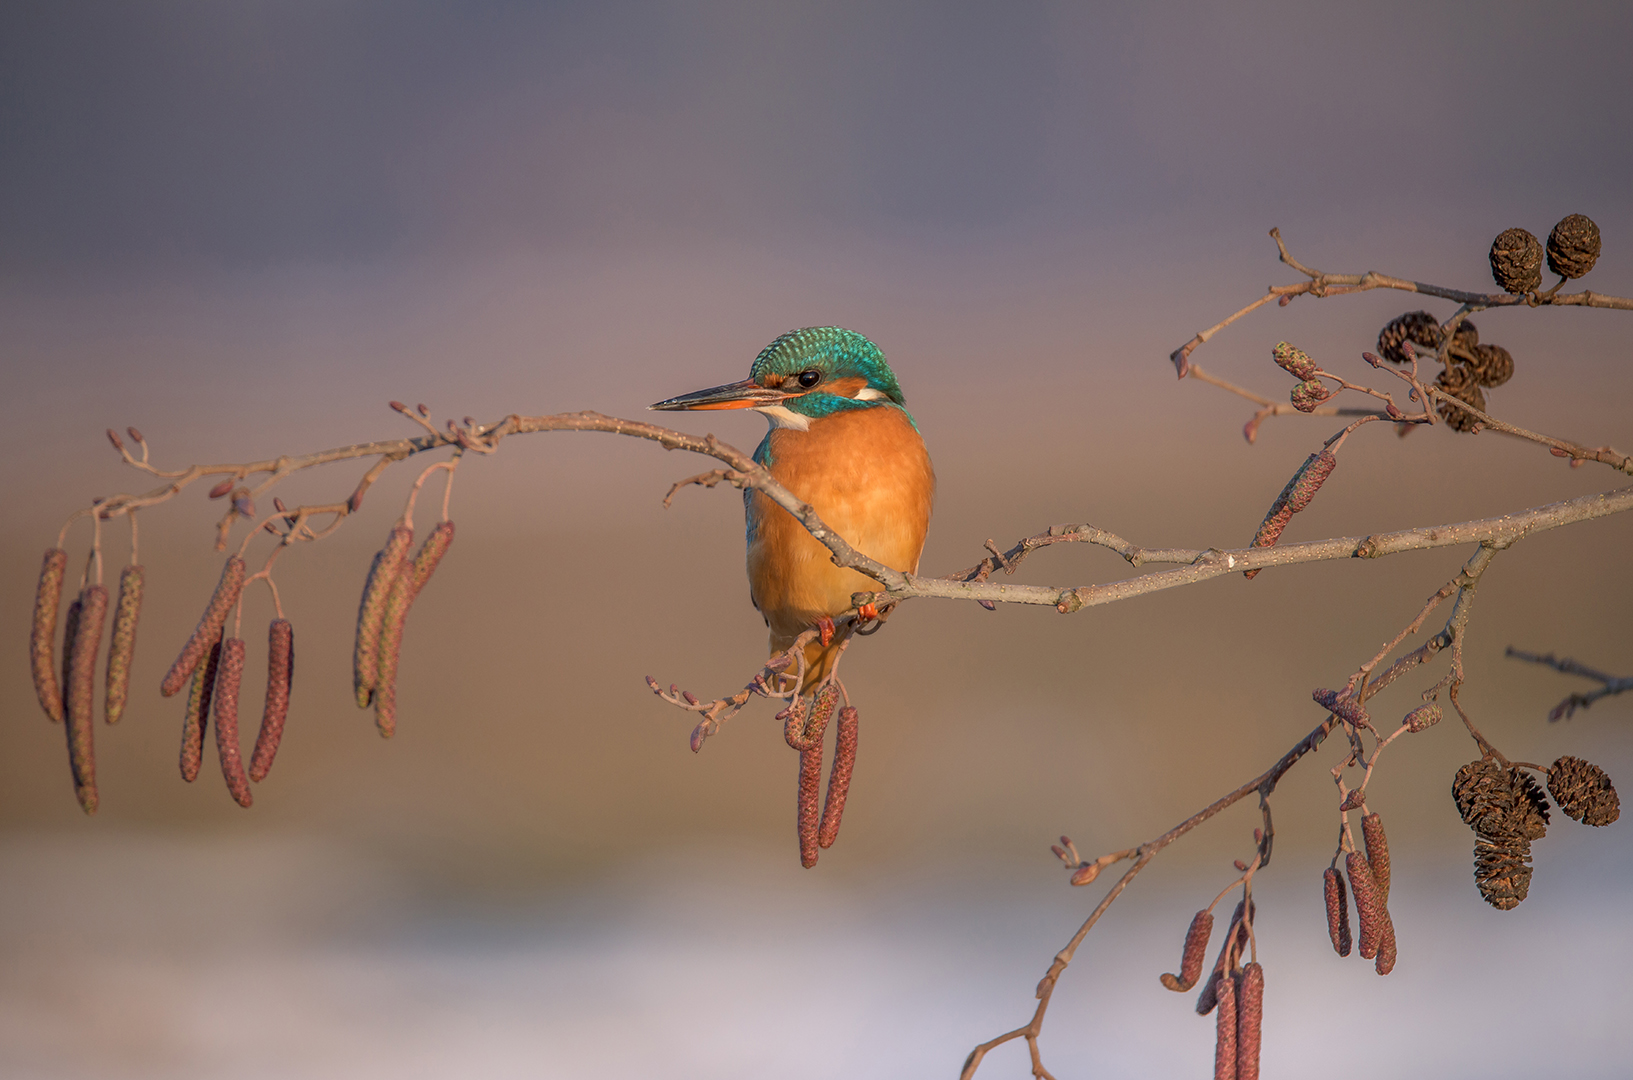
(867, 612)
(825, 629)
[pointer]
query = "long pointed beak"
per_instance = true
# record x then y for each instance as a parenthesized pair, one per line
(747, 394)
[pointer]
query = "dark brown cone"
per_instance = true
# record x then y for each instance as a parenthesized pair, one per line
(1516, 261)
(1224, 1048)
(1191, 957)
(1484, 798)
(1583, 791)
(1530, 816)
(839, 775)
(209, 626)
(42, 638)
(1573, 246)
(1372, 831)
(1493, 365)
(1249, 1021)
(1458, 381)
(1332, 892)
(228, 680)
(1369, 907)
(810, 790)
(280, 671)
(1419, 327)
(1502, 869)
(388, 563)
(201, 688)
(1466, 336)
(122, 643)
(79, 702)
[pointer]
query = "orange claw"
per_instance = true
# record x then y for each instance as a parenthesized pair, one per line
(868, 611)
(825, 628)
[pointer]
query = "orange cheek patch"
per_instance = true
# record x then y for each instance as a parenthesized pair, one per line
(845, 387)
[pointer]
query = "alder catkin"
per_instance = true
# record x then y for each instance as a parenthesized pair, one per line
(1224, 1050)
(803, 729)
(200, 689)
(1386, 946)
(1369, 908)
(43, 633)
(810, 787)
(1229, 950)
(79, 702)
(388, 563)
(1249, 1021)
(1372, 831)
(228, 680)
(1293, 498)
(1191, 957)
(280, 673)
(410, 580)
(1332, 890)
(122, 644)
(839, 776)
(209, 626)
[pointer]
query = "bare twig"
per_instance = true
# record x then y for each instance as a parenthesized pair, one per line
(1613, 684)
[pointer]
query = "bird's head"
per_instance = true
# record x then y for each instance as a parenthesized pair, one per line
(803, 376)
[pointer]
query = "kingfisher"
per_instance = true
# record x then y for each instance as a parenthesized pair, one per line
(841, 439)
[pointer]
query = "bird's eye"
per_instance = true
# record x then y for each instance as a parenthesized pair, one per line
(809, 379)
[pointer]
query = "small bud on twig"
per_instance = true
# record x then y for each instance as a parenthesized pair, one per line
(1423, 717)
(118, 443)
(280, 673)
(43, 633)
(209, 626)
(221, 489)
(1190, 962)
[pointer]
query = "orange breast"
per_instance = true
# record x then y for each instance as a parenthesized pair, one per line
(867, 474)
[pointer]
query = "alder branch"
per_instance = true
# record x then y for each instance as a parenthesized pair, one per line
(1347, 713)
(1321, 285)
(1613, 684)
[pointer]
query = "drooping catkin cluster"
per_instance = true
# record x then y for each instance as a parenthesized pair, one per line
(400, 592)
(226, 594)
(79, 699)
(122, 642)
(229, 677)
(803, 729)
(1293, 498)
(1235, 989)
(43, 633)
(279, 676)
(839, 776)
(371, 612)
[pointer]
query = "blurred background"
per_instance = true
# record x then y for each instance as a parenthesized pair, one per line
(245, 227)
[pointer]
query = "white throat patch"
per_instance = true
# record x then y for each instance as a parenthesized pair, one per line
(781, 416)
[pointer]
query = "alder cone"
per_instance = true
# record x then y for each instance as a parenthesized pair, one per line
(1530, 817)
(1583, 791)
(1498, 802)
(1573, 246)
(1458, 381)
(1502, 870)
(1419, 327)
(1516, 261)
(1493, 365)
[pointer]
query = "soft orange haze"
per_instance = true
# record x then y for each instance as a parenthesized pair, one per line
(245, 230)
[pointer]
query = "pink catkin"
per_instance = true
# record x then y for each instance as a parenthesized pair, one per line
(1231, 948)
(209, 626)
(1386, 947)
(43, 633)
(122, 643)
(839, 776)
(200, 690)
(388, 563)
(1332, 889)
(1372, 831)
(80, 701)
(1293, 498)
(1369, 909)
(280, 674)
(410, 580)
(228, 680)
(1249, 1021)
(1224, 1049)
(1191, 957)
(810, 787)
